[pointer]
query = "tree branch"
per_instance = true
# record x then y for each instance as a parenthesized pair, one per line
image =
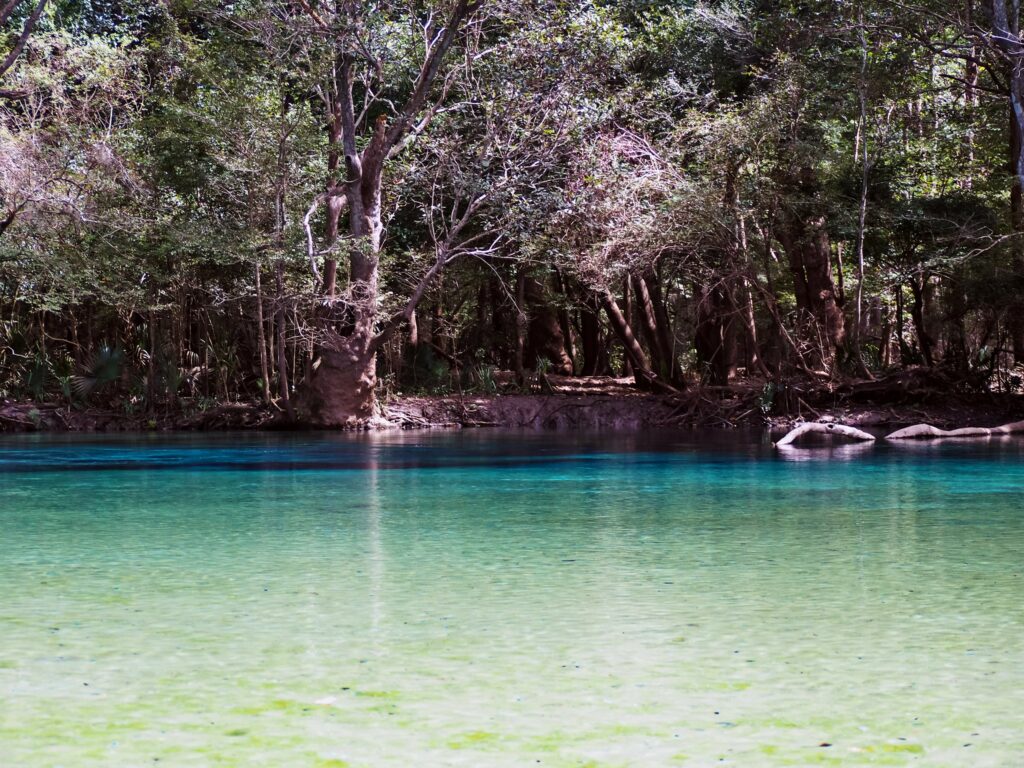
(437, 50)
(25, 32)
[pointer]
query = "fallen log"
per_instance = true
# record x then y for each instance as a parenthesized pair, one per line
(927, 431)
(911, 384)
(825, 429)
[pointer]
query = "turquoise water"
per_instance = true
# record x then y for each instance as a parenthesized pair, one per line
(489, 599)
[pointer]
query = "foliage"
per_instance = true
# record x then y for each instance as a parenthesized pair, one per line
(154, 158)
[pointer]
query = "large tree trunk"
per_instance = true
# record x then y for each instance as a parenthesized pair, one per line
(545, 338)
(1006, 35)
(638, 362)
(634, 353)
(1016, 317)
(807, 249)
(261, 339)
(335, 202)
(521, 328)
(664, 326)
(714, 337)
(590, 335)
(341, 391)
(282, 349)
(956, 354)
(564, 323)
(656, 337)
(919, 286)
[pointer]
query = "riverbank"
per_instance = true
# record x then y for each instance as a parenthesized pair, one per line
(573, 403)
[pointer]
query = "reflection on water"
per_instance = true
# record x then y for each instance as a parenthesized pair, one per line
(832, 451)
(490, 599)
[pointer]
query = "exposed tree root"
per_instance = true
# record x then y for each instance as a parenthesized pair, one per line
(916, 432)
(825, 429)
(927, 431)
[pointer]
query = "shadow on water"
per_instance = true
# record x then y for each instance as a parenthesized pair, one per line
(270, 452)
(363, 451)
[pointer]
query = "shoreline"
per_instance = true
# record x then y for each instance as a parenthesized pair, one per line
(610, 405)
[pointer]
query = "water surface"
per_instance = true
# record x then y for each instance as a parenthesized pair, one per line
(504, 599)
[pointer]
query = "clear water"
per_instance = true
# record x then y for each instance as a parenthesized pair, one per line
(486, 599)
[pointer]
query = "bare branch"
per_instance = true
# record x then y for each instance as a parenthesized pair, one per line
(20, 45)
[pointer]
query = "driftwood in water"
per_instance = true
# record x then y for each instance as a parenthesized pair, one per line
(825, 429)
(927, 431)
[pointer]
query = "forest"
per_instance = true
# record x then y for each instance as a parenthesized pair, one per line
(322, 205)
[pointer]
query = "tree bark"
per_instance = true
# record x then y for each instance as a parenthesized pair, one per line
(714, 337)
(261, 338)
(858, 324)
(521, 328)
(918, 286)
(282, 349)
(590, 335)
(564, 322)
(656, 336)
(151, 392)
(641, 367)
(627, 313)
(750, 326)
(807, 249)
(1006, 36)
(335, 203)
(663, 326)
(545, 338)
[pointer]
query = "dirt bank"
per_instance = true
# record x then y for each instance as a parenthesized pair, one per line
(595, 403)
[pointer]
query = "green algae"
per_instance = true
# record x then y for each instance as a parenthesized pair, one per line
(473, 739)
(276, 706)
(377, 694)
(914, 749)
(619, 729)
(551, 742)
(735, 686)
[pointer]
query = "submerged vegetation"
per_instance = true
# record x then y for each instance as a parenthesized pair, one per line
(308, 202)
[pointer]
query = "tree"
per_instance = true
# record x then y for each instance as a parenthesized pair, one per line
(372, 128)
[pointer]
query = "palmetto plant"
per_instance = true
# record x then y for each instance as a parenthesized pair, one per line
(102, 367)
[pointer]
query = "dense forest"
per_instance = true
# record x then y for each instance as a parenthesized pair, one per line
(320, 203)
